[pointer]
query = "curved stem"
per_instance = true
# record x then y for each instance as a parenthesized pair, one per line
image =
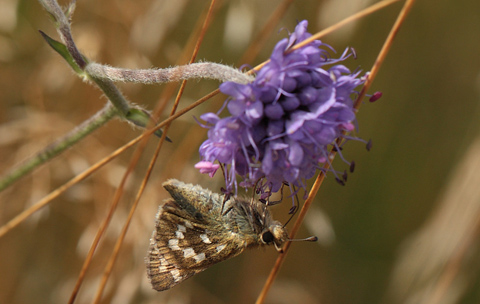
(209, 70)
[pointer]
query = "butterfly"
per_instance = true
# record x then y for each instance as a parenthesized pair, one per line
(198, 228)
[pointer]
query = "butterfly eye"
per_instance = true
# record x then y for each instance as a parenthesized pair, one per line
(267, 237)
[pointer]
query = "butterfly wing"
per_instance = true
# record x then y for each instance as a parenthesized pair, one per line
(185, 243)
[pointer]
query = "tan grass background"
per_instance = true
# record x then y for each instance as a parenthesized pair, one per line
(403, 229)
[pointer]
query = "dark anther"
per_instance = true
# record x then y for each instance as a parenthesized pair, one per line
(352, 166)
(341, 182)
(345, 175)
(376, 96)
(369, 145)
(354, 53)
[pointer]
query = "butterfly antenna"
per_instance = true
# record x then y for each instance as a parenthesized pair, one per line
(308, 239)
(256, 190)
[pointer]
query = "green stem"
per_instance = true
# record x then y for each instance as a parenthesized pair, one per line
(68, 50)
(113, 94)
(60, 145)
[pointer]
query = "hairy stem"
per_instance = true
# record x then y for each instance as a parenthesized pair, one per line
(63, 28)
(60, 145)
(208, 70)
(113, 94)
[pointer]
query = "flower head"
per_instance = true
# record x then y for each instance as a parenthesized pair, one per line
(283, 121)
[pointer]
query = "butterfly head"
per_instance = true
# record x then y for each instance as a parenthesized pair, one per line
(274, 234)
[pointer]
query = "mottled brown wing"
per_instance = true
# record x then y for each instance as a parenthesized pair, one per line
(183, 244)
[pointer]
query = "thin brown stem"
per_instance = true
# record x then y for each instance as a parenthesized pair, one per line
(369, 10)
(118, 244)
(363, 13)
(103, 227)
(57, 192)
(259, 41)
(148, 132)
(123, 233)
(385, 49)
(293, 232)
(321, 176)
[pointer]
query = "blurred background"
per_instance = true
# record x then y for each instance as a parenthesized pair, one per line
(404, 229)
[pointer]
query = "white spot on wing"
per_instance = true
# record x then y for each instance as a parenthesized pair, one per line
(188, 253)
(188, 224)
(181, 228)
(163, 265)
(173, 244)
(199, 257)
(176, 274)
(179, 234)
(162, 268)
(221, 247)
(205, 239)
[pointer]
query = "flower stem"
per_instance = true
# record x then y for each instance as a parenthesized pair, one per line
(60, 145)
(293, 232)
(121, 106)
(209, 70)
(63, 27)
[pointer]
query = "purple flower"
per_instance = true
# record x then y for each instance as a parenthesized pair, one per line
(282, 123)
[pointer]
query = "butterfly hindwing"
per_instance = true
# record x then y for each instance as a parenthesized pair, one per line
(183, 245)
(163, 266)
